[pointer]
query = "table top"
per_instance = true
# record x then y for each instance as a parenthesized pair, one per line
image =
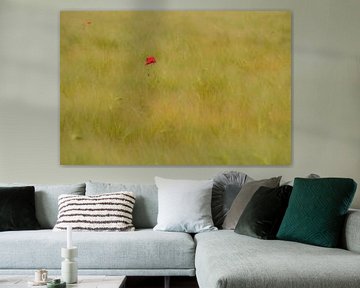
(84, 281)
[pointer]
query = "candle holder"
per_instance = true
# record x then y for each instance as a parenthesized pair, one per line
(69, 272)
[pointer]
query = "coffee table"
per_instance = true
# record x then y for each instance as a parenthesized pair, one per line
(84, 281)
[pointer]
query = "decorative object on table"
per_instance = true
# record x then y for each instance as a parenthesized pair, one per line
(56, 283)
(40, 279)
(69, 265)
(41, 275)
(223, 99)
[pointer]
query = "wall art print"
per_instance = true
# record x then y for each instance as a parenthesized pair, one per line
(175, 88)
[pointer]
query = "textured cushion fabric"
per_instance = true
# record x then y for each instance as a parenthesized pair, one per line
(146, 205)
(243, 198)
(142, 249)
(263, 214)
(225, 189)
(351, 236)
(225, 259)
(184, 205)
(46, 200)
(17, 208)
(105, 212)
(316, 211)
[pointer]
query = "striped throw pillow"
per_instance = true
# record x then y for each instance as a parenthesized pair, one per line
(105, 212)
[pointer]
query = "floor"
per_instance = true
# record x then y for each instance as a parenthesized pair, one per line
(158, 282)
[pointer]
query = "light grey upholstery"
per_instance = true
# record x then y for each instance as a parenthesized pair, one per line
(143, 250)
(146, 204)
(351, 233)
(46, 199)
(225, 259)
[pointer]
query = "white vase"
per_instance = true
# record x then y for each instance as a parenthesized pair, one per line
(69, 271)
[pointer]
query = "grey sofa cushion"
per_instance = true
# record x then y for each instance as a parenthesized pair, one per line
(146, 204)
(143, 249)
(225, 189)
(243, 198)
(46, 200)
(184, 205)
(226, 259)
(351, 236)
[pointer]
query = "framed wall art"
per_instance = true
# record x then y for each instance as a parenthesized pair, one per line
(175, 88)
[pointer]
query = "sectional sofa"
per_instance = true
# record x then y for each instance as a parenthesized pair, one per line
(219, 259)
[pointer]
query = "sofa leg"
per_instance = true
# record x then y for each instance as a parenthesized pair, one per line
(167, 282)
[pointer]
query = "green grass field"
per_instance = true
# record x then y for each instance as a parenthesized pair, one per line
(218, 94)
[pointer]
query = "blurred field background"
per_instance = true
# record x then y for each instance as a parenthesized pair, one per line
(219, 93)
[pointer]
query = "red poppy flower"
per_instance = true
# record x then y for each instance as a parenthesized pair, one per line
(150, 60)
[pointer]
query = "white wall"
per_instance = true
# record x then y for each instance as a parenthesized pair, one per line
(326, 91)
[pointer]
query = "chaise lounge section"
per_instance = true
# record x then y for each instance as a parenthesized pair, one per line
(225, 259)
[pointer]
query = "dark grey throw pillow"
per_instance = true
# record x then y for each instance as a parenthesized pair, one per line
(226, 187)
(243, 198)
(263, 214)
(17, 209)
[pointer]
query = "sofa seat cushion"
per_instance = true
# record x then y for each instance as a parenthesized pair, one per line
(226, 259)
(142, 249)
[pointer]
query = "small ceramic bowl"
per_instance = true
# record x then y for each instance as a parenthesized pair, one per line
(56, 283)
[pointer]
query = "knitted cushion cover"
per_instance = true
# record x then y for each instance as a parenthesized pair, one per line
(316, 211)
(105, 212)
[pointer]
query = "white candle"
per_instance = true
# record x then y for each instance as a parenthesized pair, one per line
(69, 239)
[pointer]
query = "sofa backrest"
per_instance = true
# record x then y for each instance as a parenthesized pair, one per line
(350, 239)
(146, 203)
(46, 200)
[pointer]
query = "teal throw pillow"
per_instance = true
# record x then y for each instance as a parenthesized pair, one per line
(316, 211)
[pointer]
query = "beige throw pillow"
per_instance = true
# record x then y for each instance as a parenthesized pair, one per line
(243, 198)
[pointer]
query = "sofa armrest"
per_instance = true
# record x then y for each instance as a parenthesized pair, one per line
(351, 233)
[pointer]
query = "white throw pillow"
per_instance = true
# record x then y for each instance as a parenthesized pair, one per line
(184, 205)
(104, 212)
